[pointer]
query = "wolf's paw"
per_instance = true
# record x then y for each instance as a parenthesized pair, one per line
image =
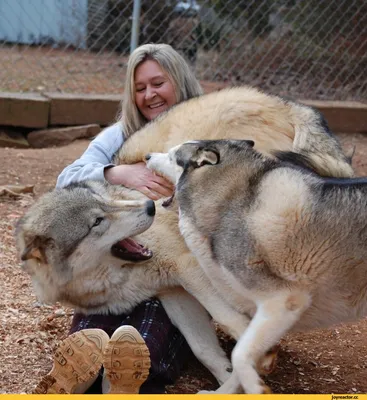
(267, 362)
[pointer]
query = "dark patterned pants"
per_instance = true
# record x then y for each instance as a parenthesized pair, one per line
(168, 348)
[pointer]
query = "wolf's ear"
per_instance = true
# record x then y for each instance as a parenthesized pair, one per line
(206, 157)
(34, 249)
(251, 143)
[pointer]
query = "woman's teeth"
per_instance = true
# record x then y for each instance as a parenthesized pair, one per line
(156, 105)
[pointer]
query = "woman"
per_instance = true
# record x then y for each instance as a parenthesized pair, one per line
(157, 78)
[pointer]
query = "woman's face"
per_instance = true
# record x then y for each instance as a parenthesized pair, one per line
(154, 92)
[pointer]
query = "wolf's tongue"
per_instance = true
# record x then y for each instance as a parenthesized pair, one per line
(129, 249)
(130, 245)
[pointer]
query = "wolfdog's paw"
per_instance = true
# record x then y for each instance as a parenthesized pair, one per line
(224, 373)
(258, 388)
(267, 362)
(266, 389)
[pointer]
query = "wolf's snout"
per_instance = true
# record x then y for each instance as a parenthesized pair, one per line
(150, 208)
(147, 157)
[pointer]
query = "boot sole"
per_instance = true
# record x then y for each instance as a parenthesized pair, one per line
(78, 359)
(126, 361)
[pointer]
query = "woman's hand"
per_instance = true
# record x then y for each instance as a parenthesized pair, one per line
(139, 177)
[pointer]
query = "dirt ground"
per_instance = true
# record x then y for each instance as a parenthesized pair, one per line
(324, 361)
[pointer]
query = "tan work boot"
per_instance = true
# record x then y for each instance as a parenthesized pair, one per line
(77, 362)
(126, 362)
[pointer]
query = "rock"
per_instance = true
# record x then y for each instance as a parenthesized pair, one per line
(61, 136)
(59, 312)
(12, 138)
(16, 190)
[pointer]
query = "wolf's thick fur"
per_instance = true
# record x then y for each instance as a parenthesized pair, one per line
(70, 268)
(287, 240)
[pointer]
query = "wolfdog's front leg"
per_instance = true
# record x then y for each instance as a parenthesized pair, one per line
(188, 315)
(230, 386)
(233, 322)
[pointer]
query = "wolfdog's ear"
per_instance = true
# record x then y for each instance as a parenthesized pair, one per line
(34, 248)
(206, 157)
(350, 154)
(251, 143)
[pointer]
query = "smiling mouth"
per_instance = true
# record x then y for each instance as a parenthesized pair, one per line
(130, 250)
(152, 106)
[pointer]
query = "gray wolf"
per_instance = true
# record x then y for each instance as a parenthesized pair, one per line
(74, 262)
(271, 233)
(81, 246)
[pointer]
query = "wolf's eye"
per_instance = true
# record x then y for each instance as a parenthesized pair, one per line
(97, 221)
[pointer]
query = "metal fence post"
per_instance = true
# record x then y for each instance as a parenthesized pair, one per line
(135, 26)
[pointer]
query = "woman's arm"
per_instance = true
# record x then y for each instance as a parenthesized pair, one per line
(138, 176)
(96, 164)
(93, 162)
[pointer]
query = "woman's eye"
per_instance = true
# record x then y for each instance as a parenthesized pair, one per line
(140, 89)
(97, 221)
(158, 84)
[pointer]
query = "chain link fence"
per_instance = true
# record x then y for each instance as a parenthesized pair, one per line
(297, 48)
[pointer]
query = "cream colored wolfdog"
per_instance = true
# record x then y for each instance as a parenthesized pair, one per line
(243, 113)
(87, 271)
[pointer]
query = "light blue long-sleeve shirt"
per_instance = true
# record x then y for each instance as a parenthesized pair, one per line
(95, 159)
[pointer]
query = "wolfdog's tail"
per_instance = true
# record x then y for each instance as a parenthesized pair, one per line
(314, 140)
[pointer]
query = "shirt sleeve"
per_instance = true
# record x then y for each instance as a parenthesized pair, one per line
(97, 157)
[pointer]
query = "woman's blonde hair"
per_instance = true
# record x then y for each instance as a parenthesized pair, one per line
(184, 81)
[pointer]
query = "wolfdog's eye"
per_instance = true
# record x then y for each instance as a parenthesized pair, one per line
(97, 221)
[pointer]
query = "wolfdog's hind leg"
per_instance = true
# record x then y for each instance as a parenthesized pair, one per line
(194, 322)
(274, 317)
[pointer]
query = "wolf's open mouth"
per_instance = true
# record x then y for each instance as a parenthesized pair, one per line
(130, 250)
